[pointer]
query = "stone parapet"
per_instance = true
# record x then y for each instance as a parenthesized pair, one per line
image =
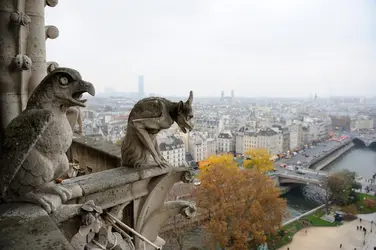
(26, 226)
(94, 155)
(116, 186)
(136, 197)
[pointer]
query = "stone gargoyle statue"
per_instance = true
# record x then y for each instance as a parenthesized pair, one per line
(35, 143)
(147, 118)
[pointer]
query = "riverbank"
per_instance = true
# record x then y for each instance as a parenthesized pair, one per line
(312, 218)
(331, 157)
(328, 238)
(315, 218)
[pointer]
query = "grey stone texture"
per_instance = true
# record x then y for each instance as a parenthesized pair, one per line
(35, 142)
(26, 226)
(147, 118)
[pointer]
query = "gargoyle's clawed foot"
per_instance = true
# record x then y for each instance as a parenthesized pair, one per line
(64, 193)
(166, 163)
(141, 166)
(40, 199)
(163, 163)
(164, 160)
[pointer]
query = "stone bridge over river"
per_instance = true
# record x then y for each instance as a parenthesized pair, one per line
(365, 140)
(291, 178)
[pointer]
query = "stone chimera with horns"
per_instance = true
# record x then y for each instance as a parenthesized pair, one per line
(147, 118)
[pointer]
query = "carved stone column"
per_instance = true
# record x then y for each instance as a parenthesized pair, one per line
(22, 53)
(152, 211)
(13, 61)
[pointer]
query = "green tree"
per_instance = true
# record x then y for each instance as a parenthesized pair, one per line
(341, 186)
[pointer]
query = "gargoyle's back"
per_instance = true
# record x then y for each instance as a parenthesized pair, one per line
(150, 107)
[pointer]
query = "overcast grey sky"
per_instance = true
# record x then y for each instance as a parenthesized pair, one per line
(256, 47)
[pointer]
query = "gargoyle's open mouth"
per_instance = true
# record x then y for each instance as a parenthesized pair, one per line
(185, 127)
(76, 99)
(83, 88)
(78, 95)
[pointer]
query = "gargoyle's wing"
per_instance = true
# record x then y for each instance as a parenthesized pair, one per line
(21, 135)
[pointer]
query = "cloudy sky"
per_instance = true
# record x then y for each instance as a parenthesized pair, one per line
(286, 48)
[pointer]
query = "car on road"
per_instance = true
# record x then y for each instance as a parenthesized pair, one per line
(301, 172)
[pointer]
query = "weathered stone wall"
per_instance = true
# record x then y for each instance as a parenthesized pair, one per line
(94, 156)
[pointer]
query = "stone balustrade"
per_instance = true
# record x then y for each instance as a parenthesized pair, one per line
(137, 197)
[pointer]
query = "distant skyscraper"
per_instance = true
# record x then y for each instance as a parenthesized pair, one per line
(141, 91)
(232, 94)
(222, 94)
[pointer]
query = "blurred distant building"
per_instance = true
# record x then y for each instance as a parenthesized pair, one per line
(341, 122)
(361, 123)
(141, 91)
(295, 139)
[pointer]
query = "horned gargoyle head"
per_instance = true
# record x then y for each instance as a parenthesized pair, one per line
(62, 87)
(185, 114)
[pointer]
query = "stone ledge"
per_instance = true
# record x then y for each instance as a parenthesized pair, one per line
(111, 187)
(112, 178)
(26, 226)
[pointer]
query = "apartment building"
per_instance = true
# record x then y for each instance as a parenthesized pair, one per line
(173, 150)
(263, 138)
(211, 146)
(285, 136)
(294, 136)
(225, 142)
(198, 146)
(361, 122)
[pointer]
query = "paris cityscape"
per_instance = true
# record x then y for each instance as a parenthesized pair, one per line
(296, 133)
(188, 125)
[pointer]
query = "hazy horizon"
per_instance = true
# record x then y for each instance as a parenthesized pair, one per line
(268, 48)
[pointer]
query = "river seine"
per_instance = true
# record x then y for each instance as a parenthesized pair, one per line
(304, 198)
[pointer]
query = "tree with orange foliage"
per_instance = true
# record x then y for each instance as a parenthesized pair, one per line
(225, 159)
(370, 203)
(244, 205)
(259, 159)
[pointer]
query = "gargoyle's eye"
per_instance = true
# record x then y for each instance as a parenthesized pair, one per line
(63, 80)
